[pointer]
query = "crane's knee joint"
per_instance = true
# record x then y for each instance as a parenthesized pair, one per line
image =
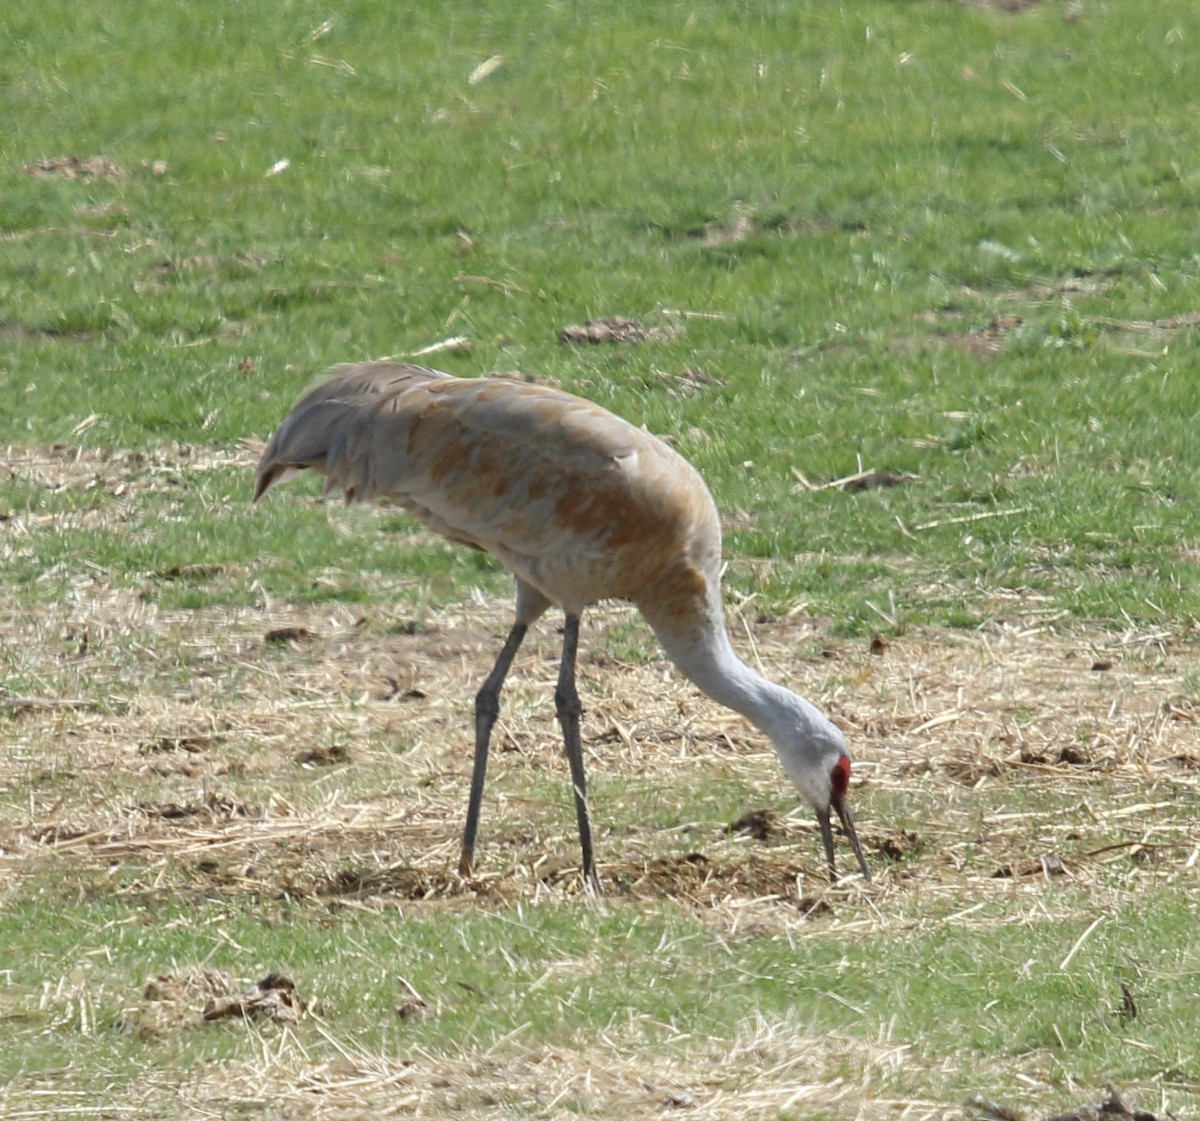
(567, 704)
(487, 703)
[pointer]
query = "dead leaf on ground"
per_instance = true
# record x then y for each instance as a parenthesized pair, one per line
(1181, 708)
(1047, 757)
(813, 905)
(397, 691)
(412, 1009)
(1074, 756)
(873, 480)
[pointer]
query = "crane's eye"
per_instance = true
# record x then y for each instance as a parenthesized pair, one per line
(839, 778)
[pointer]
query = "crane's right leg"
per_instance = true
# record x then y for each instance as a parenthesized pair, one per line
(566, 700)
(487, 708)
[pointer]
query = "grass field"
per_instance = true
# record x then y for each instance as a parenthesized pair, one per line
(922, 297)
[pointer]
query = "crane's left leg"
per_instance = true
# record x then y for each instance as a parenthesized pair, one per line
(566, 701)
(487, 708)
(530, 605)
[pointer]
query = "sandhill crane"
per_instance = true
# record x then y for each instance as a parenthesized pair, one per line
(581, 506)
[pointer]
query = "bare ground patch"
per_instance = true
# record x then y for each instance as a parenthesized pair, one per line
(76, 167)
(319, 757)
(180, 739)
(188, 742)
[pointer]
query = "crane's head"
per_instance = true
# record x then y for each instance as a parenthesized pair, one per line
(839, 788)
(818, 763)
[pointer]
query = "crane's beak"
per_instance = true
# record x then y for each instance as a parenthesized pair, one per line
(843, 812)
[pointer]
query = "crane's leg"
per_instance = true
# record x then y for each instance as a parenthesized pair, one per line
(487, 708)
(566, 701)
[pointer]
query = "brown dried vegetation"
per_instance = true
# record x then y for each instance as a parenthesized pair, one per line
(189, 753)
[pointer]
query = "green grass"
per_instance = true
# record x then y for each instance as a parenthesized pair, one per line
(994, 991)
(908, 174)
(849, 202)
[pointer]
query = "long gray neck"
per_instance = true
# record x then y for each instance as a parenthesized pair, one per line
(711, 663)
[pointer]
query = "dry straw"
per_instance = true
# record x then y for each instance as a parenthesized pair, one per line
(330, 762)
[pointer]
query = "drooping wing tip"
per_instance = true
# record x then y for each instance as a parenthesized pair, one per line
(267, 475)
(271, 475)
(262, 484)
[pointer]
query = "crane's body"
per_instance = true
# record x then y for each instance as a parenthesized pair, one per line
(581, 506)
(577, 503)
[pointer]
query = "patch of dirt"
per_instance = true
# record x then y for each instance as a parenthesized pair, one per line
(737, 229)
(770, 1067)
(340, 772)
(193, 745)
(272, 998)
(688, 382)
(615, 329)
(1048, 865)
(761, 825)
(118, 471)
(199, 995)
(897, 845)
(704, 880)
(693, 878)
(23, 333)
(208, 262)
(986, 342)
(199, 571)
(73, 167)
(283, 636)
(1001, 5)
(214, 808)
(406, 882)
(324, 756)
(1113, 1106)
(963, 745)
(860, 481)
